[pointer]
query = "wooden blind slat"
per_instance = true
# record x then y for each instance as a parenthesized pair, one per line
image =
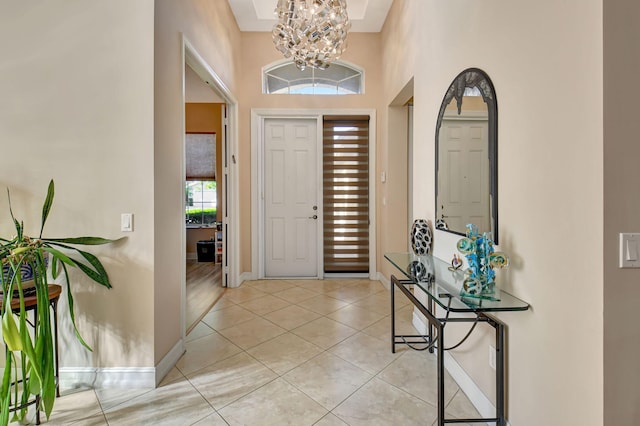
(340, 118)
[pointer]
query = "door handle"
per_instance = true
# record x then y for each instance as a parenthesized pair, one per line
(315, 216)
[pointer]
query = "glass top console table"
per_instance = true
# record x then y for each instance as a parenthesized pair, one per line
(441, 286)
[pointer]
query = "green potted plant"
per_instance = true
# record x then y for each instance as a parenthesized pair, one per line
(29, 364)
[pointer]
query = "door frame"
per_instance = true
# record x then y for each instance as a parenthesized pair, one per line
(258, 117)
(231, 252)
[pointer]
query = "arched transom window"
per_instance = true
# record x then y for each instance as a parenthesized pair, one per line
(339, 79)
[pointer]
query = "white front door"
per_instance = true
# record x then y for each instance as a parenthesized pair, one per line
(464, 166)
(291, 198)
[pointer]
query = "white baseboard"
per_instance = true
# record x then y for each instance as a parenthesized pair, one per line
(385, 282)
(121, 377)
(114, 378)
(192, 256)
(170, 359)
(245, 276)
(464, 381)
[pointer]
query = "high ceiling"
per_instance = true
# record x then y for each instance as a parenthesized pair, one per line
(366, 16)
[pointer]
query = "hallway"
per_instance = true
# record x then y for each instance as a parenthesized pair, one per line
(285, 352)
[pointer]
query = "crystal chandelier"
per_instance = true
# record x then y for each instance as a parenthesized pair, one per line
(313, 32)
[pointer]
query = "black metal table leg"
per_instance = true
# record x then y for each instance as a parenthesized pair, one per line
(393, 317)
(440, 329)
(500, 379)
(431, 309)
(436, 334)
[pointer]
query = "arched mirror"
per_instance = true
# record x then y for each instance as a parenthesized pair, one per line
(467, 155)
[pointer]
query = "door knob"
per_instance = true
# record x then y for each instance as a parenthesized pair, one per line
(315, 216)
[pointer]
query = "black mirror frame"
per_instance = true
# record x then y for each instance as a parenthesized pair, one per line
(475, 77)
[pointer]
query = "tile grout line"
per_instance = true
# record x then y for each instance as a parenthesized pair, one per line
(351, 302)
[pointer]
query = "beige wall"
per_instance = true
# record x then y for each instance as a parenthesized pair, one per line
(550, 181)
(621, 210)
(99, 108)
(78, 107)
(210, 28)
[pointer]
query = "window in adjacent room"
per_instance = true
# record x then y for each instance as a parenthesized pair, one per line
(339, 79)
(200, 182)
(200, 203)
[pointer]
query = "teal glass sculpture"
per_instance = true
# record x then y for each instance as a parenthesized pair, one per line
(482, 259)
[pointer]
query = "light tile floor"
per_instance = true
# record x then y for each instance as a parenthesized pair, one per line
(288, 352)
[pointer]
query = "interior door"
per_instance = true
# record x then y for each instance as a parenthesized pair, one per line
(464, 164)
(290, 198)
(224, 196)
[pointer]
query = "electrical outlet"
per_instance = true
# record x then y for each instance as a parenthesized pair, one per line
(492, 357)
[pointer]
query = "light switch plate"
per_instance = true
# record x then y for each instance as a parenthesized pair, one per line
(629, 250)
(126, 222)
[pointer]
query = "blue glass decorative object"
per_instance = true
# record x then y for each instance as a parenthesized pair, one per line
(482, 259)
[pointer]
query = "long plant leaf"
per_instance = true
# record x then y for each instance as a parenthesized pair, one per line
(48, 385)
(35, 387)
(10, 332)
(6, 390)
(98, 277)
(72, 312)
(29, 351)
(86, 241)
(17, 224)
(57, 254)
(98, 267)
(98, 274)
(46, 207)
(48, 391)
(54, 266)
(18, 415)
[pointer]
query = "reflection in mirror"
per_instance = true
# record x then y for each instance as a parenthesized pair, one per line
(466, 155)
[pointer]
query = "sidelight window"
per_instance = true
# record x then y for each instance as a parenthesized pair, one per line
(346, 193)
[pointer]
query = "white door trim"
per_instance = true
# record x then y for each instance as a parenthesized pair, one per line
(258, 116)
(257, 185)
(192, 58)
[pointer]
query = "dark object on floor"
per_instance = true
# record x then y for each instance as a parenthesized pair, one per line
(206, 251)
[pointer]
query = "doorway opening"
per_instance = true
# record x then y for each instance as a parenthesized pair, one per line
(203, 217)
(398, 193)
(210, 199)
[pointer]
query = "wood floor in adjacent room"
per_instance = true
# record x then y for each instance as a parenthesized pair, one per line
(204, 288)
